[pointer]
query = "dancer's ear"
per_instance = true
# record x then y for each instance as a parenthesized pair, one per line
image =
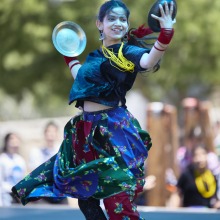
(99, 25)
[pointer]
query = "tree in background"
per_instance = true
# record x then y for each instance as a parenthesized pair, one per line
(34, 78)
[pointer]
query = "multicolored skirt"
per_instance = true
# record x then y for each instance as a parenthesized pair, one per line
(102, 154)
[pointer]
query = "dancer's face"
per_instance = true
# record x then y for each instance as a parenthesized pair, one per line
(114, 26)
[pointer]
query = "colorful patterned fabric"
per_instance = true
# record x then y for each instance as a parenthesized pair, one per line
(102, 154)
(122, 206)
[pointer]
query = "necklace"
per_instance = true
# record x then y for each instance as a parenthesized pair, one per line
(205, 183)
(119, 62)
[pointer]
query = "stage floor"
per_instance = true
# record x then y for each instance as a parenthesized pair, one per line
(56, 212)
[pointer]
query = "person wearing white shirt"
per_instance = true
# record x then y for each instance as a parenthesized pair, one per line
(12, 167)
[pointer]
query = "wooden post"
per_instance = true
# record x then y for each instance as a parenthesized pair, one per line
(191, 115)
(162, 126)
(207, 126)
(173, 140)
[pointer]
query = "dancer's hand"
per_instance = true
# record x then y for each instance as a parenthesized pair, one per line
(166, 20)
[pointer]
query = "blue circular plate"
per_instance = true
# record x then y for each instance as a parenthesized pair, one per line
(69, 39)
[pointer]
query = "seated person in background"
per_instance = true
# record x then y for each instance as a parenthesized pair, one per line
(40, 155)
(12, 167)
(197, 185)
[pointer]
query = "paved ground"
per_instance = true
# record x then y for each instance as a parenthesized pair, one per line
(68, 213)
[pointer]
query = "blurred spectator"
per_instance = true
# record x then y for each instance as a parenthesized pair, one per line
(197, 185)
(184, 153)
(217, 138)
(40, 155)
(12, 167)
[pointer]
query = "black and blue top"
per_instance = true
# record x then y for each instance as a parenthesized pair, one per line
(98, 81)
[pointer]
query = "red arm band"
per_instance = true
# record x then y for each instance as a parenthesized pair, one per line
(166, 35)
(69, 59)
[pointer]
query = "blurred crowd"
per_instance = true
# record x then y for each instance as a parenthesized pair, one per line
(14, 167)
(197, 183)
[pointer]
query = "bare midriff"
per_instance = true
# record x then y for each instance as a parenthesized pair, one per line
(93, 107)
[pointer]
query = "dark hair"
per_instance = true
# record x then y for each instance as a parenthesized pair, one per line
(199, 146)
(50, 123)
(108, 6)
(6, 139)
